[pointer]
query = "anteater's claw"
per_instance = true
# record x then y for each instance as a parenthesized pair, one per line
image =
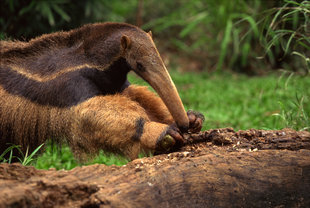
(196, 120)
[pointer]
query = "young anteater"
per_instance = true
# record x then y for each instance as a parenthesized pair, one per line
(73, 86)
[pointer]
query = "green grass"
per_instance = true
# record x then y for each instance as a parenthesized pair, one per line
(244, 102)
(226, 100)
(24, 159)
(62, 158)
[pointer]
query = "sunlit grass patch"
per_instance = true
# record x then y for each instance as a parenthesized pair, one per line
(61, 157)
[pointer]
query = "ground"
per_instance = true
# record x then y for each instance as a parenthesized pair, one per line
(218, 168)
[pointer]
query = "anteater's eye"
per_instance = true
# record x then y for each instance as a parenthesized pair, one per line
(140, 67)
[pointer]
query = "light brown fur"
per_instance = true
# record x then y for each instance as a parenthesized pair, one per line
(102, 122)
(109, 122)
(28, 124)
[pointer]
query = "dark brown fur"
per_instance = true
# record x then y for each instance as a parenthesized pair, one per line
(72, 85)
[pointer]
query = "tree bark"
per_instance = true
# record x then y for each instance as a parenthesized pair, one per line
(217, 168)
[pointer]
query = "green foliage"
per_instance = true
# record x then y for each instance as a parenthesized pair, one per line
(238, 34)
(27, 159)
(10, 149)
(29, 18)
(108, 159)
(24, 159)
(58, 157)
(61, 157)
(213, 29)
(288, 33)
(295, 113)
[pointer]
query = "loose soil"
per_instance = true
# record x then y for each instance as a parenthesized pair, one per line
(216, 168)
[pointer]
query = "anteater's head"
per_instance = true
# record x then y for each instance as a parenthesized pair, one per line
(141, 54)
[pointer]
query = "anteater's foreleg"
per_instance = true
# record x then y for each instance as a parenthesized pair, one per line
(153, 105)
(157, 110)
(115, 123)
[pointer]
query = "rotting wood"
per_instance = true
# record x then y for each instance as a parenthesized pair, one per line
(217, 168)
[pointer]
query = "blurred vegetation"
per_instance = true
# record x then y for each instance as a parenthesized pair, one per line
(25, 19)
(245, 36)
(242, 35)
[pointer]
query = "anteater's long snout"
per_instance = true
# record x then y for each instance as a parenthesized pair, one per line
(162, 83)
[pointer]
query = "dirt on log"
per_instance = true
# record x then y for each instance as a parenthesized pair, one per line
(216, 168)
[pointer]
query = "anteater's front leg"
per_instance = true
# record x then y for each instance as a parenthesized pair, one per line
(157, 110)
(153, 105)
(116, 123)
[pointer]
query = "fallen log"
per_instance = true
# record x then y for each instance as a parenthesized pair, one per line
(216, 168)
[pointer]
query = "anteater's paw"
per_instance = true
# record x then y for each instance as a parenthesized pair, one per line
(170, 140)
(196, 120)
(165, 143)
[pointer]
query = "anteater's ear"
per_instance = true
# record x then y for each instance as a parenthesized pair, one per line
(125, 42)
(150, 33)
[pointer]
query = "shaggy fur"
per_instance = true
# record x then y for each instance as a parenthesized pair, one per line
(73, 86)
